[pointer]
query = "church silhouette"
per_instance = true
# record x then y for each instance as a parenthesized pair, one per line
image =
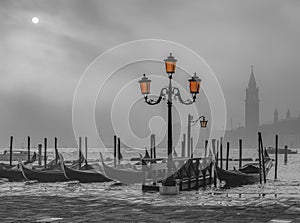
(288, 128)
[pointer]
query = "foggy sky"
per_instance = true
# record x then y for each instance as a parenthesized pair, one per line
(40, 64)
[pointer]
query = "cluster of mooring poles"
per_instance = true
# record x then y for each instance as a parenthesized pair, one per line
(45, 155)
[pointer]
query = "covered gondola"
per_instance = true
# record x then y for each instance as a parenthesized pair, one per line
(84, 175)
(127, 176)
(43, 175)
(13, 173)
(247, 174)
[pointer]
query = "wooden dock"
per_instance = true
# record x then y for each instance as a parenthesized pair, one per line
(189, 174)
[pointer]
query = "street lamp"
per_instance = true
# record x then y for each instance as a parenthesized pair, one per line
(203, 124)
(145, 85)
(170, 63)
(203, 121)
(167, 93)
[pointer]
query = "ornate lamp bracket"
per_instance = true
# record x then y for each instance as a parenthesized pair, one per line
(177, 95)
(164, 91)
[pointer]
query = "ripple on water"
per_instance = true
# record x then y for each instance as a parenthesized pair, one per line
(270, 193)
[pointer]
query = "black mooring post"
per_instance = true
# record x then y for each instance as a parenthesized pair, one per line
(40, 154)
(221, 152)
(55, 150)
(192, 148)
(285, 154)
(183, 146)
(45, 153)
(240, 152)
(79, 154)
(154, 147)
(259, 157)
(119, 151)
(263, 162)
(86, 152)
(10, 150)
(115, 150)
(263, 159)
(227, 156)
(28, 149)
(215, 152)
(210, 173)
(204, 178)
(205, 148)
(215, 172)
(276, 156)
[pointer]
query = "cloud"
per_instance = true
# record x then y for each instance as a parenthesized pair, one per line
(45, 61)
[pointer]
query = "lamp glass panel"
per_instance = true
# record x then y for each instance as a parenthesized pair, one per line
(170, 67)
(145, 87)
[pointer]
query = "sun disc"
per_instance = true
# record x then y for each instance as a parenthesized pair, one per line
(35, 20)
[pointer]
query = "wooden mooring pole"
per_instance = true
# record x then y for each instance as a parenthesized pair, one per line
(45, 153)
(28, 148)
(151, 149)
(183, 146)
(205, 148)
(154, 148)
(259, 158)
(115, 150)
(10, 150)
(240, 152)
(217, 153)
(204, 178)
(86, 152)
(262, 158)
(55, 150)
(119, 151)
(221, 152)
(276, 156)
(215, 156)
(40, 154)
(190, 117)
(192, 148)
(285, 154)
(79, 153)
(227, 155)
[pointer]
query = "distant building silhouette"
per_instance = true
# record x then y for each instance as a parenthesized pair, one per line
(288, 129)
(275, 116)
(252, 105)
(288, 114)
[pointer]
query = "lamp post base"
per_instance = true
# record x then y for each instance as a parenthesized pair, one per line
(169, 190)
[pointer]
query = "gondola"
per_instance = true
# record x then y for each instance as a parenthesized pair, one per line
(44, 176)
(83, 175)
(11, 174)
(134, 176)
(247, 174)
(272, 150)
(14, 173)
(127, 176)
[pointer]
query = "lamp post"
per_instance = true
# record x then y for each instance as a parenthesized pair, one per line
(203, 124)
(167, 93)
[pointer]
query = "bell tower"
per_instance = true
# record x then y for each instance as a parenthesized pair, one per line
(275, 116)
(288, 114)
(252, 105)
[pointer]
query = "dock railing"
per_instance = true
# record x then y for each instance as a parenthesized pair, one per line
(189, 173)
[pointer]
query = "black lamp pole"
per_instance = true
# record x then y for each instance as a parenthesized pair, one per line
(167, 93)
(170, 137)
